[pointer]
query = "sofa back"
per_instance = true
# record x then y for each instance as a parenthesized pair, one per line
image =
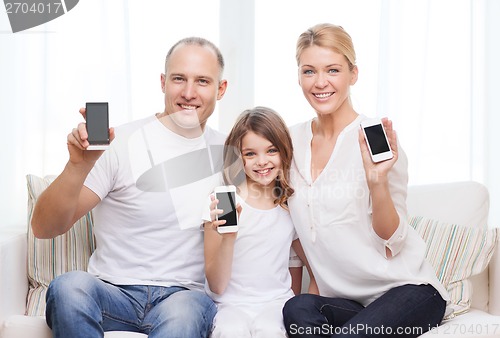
(462, 203)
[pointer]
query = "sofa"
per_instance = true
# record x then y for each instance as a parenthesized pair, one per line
(451, 217)
(465, 204)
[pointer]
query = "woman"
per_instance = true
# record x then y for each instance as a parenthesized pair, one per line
(350, 213)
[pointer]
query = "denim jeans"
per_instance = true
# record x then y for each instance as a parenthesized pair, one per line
(405, 311)
(81, 305)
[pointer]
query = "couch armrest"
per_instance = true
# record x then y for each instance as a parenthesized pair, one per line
(494, 282)
(13, 272)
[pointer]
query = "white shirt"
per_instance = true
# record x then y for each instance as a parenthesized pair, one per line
(332, 216)
(151, 183)
(261, 254)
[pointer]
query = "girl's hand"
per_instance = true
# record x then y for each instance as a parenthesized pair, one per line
(377, 172)
(214, 212)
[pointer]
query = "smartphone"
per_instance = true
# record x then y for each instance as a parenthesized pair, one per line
(376, 138)
(97, 116)
(227, 202)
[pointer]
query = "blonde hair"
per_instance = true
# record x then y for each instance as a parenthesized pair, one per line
(329, 36)
(267, 123)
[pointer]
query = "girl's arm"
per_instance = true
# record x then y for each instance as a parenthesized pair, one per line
(296, 273)
(313, 287)
(219, 249)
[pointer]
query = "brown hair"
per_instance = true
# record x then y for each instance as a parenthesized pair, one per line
(267, 123)
(328, 36)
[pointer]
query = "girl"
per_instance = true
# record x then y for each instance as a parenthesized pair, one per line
(350, 213)
(247, 271)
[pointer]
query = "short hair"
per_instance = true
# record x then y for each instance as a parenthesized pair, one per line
(328, 36)
(194, 40)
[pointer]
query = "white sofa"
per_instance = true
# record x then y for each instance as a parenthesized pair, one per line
(463, 203)
(14, 289)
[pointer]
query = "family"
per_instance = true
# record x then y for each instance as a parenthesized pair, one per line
(307, 196)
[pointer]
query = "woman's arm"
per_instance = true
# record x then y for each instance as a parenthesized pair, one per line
(387, 182)
(385, 219)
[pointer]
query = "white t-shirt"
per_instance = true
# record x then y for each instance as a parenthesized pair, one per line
(147, 225)
(332, 216)
(260, 263)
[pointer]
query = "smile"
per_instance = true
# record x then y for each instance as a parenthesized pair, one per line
(188, 107)
(323, 95)
(263, 171)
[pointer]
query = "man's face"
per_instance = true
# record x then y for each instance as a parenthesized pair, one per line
(192, 87)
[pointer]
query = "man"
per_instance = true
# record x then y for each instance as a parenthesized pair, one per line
(146, 274)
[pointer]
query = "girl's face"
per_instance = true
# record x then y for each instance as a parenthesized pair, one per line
(262, 161)
(325, 79)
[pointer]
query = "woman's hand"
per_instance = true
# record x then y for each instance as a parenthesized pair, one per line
(385, 219)
(377, 172)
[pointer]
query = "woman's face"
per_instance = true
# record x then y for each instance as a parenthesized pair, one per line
(325, 79)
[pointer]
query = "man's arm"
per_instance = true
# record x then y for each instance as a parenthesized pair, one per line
(62, 204)
(67, 199)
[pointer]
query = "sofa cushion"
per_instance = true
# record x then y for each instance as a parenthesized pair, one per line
(49, 258)
(476, 324)
(456, 252)
(36, 327)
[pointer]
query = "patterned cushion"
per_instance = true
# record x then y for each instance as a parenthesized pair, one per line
(456, 252)
(49, 258)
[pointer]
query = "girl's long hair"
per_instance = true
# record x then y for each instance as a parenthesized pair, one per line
(267, 123)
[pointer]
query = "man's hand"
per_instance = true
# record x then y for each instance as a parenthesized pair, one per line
(78, 142)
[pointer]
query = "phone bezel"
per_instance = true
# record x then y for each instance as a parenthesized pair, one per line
(387, 155)
(230, 227)
(101, 144)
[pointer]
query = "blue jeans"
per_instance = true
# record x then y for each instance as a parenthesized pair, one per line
(81, 305)
(405, 311)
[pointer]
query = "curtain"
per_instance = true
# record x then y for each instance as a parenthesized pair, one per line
(111, 51)
(428, 65)
(431, 66)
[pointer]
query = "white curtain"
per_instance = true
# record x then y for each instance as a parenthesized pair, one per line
(415, 63)
(110, 51)
(426, 64)
(430, 65)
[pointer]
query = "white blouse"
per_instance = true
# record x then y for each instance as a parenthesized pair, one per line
(333, 220)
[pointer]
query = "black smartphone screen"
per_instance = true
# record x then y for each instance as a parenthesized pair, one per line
(97, 122)
(376, 139)
(228, 205)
